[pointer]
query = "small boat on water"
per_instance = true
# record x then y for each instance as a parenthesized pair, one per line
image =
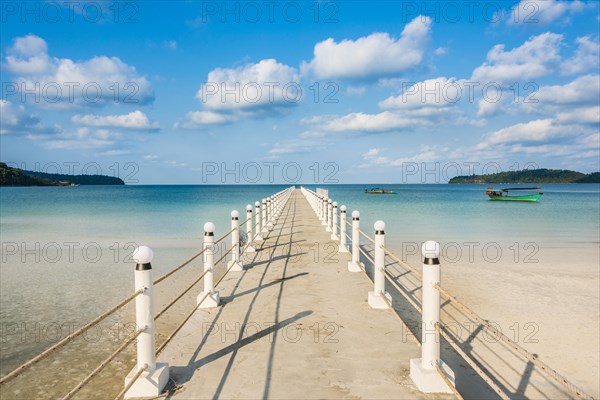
(504, 194)
(379, 191)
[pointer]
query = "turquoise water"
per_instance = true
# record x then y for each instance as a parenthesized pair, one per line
(565, 215)
(43, 281)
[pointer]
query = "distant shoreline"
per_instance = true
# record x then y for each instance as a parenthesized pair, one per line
(532, 176)
(15, 177)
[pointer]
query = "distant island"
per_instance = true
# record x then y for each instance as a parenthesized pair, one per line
(531, 176)
(17, 177)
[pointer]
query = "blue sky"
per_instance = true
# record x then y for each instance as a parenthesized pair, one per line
(213, 92)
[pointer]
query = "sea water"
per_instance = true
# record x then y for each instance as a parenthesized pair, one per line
(66, 251)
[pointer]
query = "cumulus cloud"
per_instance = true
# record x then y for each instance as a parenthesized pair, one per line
(374, 158)
(267, 83)
(296, 146)
(540, 130)
(251, 90)
(586, 57)
(575, 102)
(62, 82)
(14, 119)
(426, 103)
(375, 55)
(199, 118)
(135, 120)
(538, 56)
(82, 138)
(543, 11)
(362, 122)
(547, 137)
(437, 93)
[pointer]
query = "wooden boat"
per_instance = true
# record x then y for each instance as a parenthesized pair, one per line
(504, 194)
(379, 191)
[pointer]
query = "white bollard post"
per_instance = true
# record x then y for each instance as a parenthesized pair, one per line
(355, 265)
(334, 222)
(235, 264)
(250, 247)
(152, 381)
(318, 204)
(324, 211)
(422, 370)
(376, 296)
(257, 236)
(264, 220)
(209, 297)
(329, 215)
(270, 223)
(342, 248)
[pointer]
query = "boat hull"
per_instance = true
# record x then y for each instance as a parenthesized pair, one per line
(530, 197)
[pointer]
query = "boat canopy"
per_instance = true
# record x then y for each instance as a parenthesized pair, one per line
(521, 188)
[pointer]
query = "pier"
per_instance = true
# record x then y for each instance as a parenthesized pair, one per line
(298, 300)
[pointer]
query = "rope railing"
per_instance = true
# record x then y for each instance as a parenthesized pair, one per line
(453, 343)
(134, 378)
(322, 205)
(445, 378)
(399, 261)
(366, 236)
(145, 284)
(178, 328)
(103, 364)
(364, 253)
(515, 346)
(224, 236)
(167, 307)
(21, 368)
(168, 274)
(402, 291)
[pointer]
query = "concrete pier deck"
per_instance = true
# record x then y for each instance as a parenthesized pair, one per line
(295, 324)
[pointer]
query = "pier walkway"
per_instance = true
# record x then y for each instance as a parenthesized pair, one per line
(294, 324)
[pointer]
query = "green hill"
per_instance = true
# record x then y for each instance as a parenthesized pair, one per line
(16, 177)
(531, 176)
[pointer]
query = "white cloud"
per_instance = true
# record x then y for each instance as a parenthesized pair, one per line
(378, 54)
(261, 85)
(575, 102)
(534, 131)
(543, 11)
(587, 57)
(62, 82)
(373, 158)
(440, 51)
(361, 122)
(427, 103)
(196, 119)
(135, 120)
(14, 119)
(372, 153)
(580, 115)
(82, 138)
(312, 134)
(438, 92)
(538, 56)
(296, 146)
(583, 90)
